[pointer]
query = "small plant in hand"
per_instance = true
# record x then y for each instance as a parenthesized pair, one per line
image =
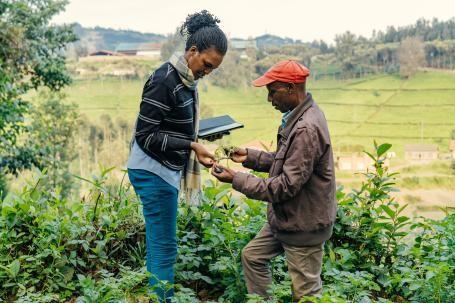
(224, 152)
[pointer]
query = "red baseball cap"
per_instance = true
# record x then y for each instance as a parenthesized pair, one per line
(287, 71)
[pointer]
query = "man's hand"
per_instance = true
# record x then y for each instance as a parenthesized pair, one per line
(239, 155)
(203, 155)
(222, 173)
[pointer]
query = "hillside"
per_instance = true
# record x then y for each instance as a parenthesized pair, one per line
(384, 107)
(98, 38)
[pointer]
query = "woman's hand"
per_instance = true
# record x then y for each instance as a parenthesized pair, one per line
(216, 137)
(239, 155)
(203, 155)
(222, 173)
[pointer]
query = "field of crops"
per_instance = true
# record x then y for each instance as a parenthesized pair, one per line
(419, 110)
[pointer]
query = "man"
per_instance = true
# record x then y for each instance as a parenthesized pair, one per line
(300, 189)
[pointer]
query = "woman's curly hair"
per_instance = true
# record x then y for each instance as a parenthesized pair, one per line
(201, 29)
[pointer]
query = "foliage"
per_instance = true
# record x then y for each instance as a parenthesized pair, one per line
(221, 222)
(429, 30)
(174, 43)
(53, 129)
(31, 56)
(47, 243)
(411, 56)
(92, 250)
(368, 255)
(235, 72)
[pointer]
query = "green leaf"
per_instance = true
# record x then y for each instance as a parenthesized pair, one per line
(14, 268)
(402, 208)
(402, 219)
(400, 234)
(383, 148)
(68, 273)
(388, 210)
(414, 286)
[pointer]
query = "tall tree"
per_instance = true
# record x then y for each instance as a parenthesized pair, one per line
(345, 51)
(31, 56)
(411, 56)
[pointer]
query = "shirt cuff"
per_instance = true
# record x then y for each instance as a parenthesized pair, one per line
(251, 158)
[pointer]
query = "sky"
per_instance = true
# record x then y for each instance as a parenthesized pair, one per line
(304, 20)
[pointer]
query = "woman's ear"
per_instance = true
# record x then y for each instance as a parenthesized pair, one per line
(193, 49)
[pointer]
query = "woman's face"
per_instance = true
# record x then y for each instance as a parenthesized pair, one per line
(203, 63)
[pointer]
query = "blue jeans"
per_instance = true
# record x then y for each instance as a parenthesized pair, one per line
(159, 202)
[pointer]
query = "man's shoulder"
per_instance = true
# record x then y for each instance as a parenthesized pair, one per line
(313, 118)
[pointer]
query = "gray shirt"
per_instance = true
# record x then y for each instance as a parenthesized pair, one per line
(140, 160)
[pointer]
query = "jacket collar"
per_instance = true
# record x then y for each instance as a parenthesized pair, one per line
(295, 115)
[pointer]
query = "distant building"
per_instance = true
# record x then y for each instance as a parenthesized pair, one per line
(421, 152)
(452, 148)
(242, 46)
(353, 162)
(152, 50)
(104, 53)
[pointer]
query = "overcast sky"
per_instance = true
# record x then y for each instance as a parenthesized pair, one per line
(304, 20)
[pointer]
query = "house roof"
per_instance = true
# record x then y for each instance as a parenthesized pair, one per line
(123, 47)
(104, 52)
(243, 44)
(420, 148)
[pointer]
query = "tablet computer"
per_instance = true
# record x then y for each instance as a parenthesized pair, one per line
(217, 125)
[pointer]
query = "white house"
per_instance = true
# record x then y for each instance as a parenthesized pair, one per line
(421, 152)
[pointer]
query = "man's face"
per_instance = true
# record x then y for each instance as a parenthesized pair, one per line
(282, 95)
(203, 63)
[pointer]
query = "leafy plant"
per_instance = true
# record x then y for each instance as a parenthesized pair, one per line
(92, 250)
(225, 152)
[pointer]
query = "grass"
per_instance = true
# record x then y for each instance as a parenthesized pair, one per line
(357, 110)
(379, 83)
(432, 80)
(428, 182)
(439, 167)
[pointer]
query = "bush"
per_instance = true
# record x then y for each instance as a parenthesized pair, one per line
(93, 250)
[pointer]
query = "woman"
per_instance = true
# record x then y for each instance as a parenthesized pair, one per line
(165, 141)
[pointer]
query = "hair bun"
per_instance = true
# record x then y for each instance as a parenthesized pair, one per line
(196, 21)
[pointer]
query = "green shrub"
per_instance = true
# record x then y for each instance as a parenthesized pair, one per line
(93, 250)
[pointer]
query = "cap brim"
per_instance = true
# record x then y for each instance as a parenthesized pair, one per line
(262, 81)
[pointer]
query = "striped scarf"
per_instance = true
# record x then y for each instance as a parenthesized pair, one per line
(191, 181)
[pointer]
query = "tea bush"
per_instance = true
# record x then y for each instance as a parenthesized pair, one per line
(92, 249)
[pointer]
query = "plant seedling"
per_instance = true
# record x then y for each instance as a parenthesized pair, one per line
(225, 152)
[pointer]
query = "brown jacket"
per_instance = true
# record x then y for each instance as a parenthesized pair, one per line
(301, 183)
